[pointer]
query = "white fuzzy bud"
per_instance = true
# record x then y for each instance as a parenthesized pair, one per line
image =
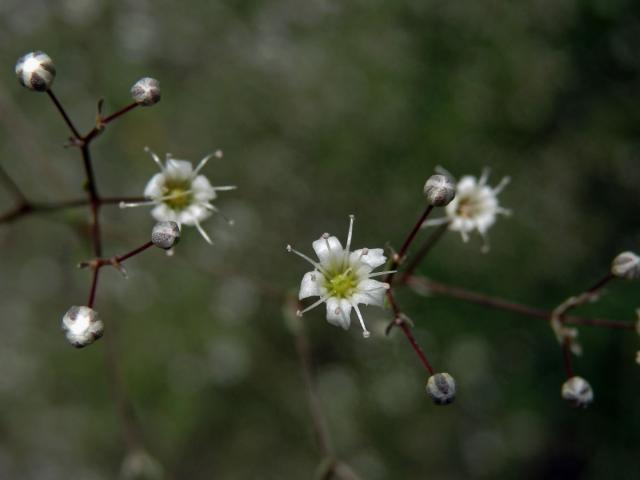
(82, 326)
(626, 265)
(165, 235)
(441, 387)
(146, 91)
(36, 71)
(439, 190)
(577, 392)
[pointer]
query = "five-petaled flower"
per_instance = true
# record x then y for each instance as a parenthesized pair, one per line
(343, 279)
(475, 207)
(180, 193)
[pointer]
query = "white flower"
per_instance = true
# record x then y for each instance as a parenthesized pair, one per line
(343, 279)
(82, 326)
(180, 194)
(475, 207)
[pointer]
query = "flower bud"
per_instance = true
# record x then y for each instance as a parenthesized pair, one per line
(439, 190)
(146, 91)
(441, 387)
(577, 392)
(36, 71)
(82, 326)
(165, 234)
(626, 265)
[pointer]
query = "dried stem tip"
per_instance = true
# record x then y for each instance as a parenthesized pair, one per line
(146, 91)
(577, 392)
(441, 387)
(165, 235)
(82, 326)
(626, 265)
(36, 71)
(439, 190)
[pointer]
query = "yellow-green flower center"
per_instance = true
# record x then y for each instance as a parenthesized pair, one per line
(179, 196)
(342, 285)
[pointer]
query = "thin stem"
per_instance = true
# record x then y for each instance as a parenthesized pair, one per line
(423, 358)
(133, 252)
(12, 186)
(400, 321)
(429, 243)
(318, 420)
(399, 257)
(94, 286)
(103, 122)
(62, 111)
(458, 293)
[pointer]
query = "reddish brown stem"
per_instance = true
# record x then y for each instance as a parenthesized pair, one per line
(502, 304)
(103, 122)
(62, 111)
(430, 242)
(94, 286)
(423, 358)
(13, 186)
(133, 252)
(399, 257)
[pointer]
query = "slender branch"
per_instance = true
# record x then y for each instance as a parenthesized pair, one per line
(12, 186)
(102, 122)
(428, 285)
(429, 243)
(566, 357)
(399, 257)
(94, 286)
(62, 111)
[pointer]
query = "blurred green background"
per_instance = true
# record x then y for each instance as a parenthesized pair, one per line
(323, 108)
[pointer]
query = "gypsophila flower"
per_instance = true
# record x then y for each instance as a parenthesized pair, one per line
(82, 326)
(475, 207)
(180, 193)
(343, 279)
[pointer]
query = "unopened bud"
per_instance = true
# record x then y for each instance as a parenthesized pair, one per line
(441, 387)
(36, 71)
(626, 265)
(82, 326)
(146, 91)
(439, 190)
(577, 392)
(165, 234)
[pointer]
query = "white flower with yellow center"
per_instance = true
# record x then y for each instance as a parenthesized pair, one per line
(343, 279)
(180, 193)
(475, 207)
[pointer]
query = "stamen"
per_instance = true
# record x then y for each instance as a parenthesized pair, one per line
(224, 188)
(215, 209)
(484, 176)
(155, 158)
(138, 204)
(155, 201)
(504, 211)
(435, 221)
(349, 235)
(384, 286)
(203, 233)
(322, 299)
(503, 183)
(379, 274)
(365, 332)
(203, 162)
(290, 249)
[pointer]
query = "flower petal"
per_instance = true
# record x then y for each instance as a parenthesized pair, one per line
(178, 169)
(374, 257)
(311, 285)
(339, 312)
(155, 187)
(202, 190)
(328, 250)
(370, 292)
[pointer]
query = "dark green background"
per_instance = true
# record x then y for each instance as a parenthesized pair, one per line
(324, 108)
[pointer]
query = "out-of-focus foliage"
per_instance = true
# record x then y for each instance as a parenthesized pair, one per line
(324, 108)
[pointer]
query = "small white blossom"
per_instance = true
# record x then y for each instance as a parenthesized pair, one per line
(343, 279)
(475, 207)
(180, 193)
